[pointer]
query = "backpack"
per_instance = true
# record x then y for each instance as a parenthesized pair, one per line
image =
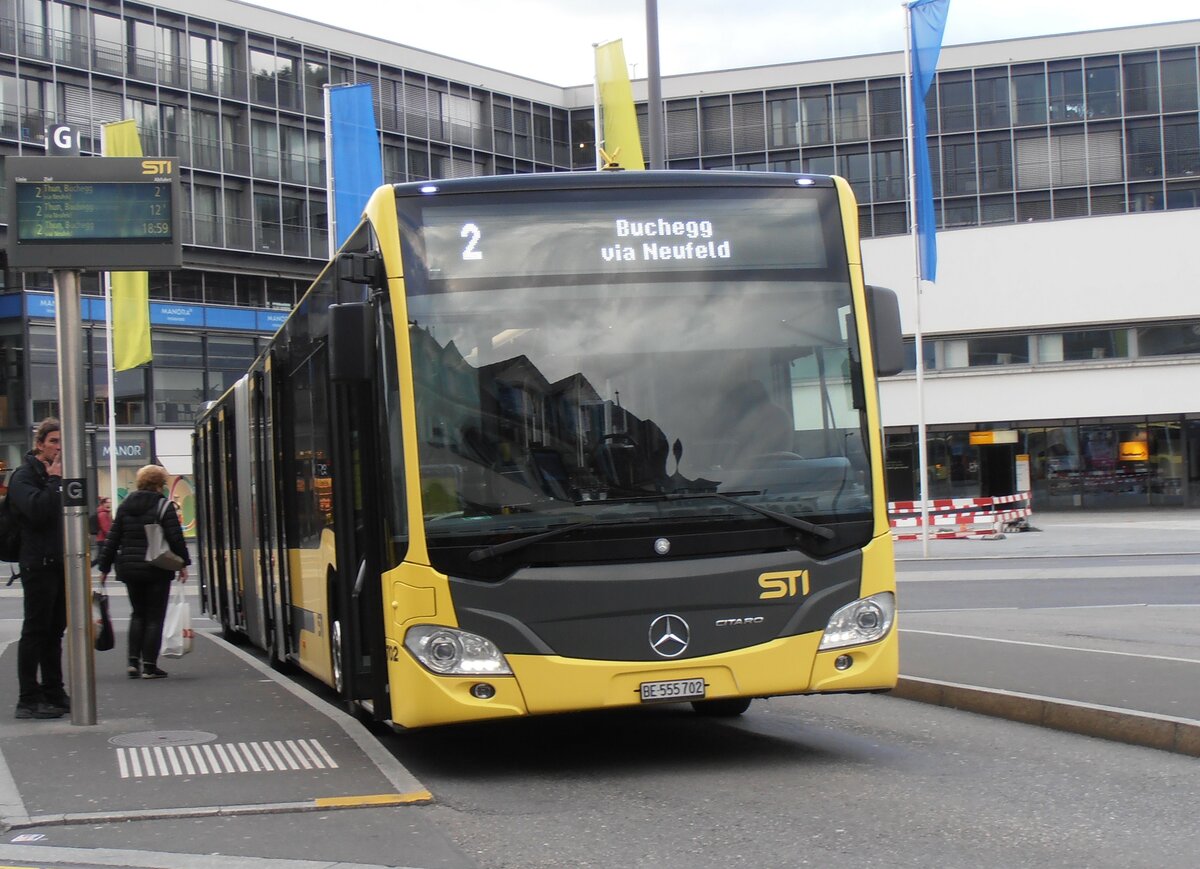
(10, 533)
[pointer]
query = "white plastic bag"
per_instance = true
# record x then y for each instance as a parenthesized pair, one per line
(177, 626)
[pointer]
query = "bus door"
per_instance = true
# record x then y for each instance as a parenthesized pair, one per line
(358, 504)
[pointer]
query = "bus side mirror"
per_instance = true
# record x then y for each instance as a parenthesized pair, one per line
(361, 268)
(351, 342)
(887, 345)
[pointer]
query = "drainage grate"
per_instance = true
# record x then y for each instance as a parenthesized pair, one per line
(148, 761)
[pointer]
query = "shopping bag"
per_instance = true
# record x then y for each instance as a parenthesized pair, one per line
(177, 626)
(158, 552)
(104, 628)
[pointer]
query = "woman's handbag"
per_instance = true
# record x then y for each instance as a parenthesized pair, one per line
(104, 628)
(158, 552)
(177, 626)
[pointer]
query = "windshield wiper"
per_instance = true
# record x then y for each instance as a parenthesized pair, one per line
(792, 521)
(521, 542)
(801, 524)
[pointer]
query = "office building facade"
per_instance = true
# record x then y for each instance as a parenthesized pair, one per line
(1066, 171)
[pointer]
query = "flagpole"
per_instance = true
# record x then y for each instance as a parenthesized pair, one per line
(112, 397)
(910, 109)
(596, 106)
(330, 204)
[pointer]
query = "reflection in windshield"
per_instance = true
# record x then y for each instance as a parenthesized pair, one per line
(535, 406)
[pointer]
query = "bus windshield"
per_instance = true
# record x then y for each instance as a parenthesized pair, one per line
(549, 395)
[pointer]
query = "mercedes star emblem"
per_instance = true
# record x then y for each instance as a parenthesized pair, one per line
(669, 636)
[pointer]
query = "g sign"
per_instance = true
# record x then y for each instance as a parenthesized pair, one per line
(62, 140)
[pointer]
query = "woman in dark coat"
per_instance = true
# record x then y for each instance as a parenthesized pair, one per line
(149, 587)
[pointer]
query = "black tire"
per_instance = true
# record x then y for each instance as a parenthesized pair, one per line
(730, 708)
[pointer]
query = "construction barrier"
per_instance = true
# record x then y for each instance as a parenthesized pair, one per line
(961, 518)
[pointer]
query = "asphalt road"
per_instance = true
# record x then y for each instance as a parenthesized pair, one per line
(836, 781)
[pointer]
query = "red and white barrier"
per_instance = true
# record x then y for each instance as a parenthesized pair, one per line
(960, 518)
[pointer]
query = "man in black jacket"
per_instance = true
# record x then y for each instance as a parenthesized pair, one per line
(35, 497)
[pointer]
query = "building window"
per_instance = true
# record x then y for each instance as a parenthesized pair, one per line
(887, 110)
(851, 115)
(1066, 94)
(814, 116)
(955, 100)
(1144, 147)
(1181, 146)
(1170, 340)
(783, 115)
(1103, 93)
(991, 99)
(1029, 95)
(1140, 74)
(958, 168)
(1178, 73)
(889, 174)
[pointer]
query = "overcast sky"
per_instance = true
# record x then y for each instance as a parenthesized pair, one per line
(551, 40)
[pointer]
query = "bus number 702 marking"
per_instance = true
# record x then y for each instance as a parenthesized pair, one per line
(784, 583)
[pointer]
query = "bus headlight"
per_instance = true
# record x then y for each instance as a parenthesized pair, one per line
(863, 621)
(452, 652)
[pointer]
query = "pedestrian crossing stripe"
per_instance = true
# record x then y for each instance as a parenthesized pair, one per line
(280, 755)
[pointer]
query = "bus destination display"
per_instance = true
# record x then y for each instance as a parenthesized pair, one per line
(579, 238)
(117, 213)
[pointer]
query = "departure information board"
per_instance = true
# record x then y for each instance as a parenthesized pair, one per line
(118, 213)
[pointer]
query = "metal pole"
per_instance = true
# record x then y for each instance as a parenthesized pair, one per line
(654, 106)
(596, 119)
(112, 393)
(922, 457)
(80, 652)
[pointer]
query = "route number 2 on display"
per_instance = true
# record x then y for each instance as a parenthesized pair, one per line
(471, 231)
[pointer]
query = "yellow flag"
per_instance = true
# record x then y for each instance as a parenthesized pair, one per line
(130, 290)
(620, 143)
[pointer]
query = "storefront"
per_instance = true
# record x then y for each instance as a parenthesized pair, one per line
(1114, 463)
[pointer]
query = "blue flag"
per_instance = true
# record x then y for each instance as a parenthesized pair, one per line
(355, 167)
(927, 23)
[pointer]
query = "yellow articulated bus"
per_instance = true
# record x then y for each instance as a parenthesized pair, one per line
(545, 443)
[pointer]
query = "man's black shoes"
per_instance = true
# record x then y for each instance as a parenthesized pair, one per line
(39, 710)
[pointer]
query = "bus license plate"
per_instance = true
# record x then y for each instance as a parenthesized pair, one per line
(677, 689)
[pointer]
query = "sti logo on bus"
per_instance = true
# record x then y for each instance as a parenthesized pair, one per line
(784, 583)
(156, 167)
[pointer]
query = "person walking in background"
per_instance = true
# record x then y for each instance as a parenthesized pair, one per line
(104, 521)
(35, 498)
(149, 587)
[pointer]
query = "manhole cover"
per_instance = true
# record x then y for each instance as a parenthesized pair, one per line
(162, 737)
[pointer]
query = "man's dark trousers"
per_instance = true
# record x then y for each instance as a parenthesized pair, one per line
(42, 632)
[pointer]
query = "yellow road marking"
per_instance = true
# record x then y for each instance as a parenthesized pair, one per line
(373, 800)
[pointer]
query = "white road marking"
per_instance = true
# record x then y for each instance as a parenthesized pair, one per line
(186, 760)
(1052, 646)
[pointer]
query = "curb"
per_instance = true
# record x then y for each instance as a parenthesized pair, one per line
(1179, 735)
(313, 805)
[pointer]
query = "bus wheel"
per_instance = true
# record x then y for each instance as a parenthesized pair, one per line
(335, 649)
(722, 708)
